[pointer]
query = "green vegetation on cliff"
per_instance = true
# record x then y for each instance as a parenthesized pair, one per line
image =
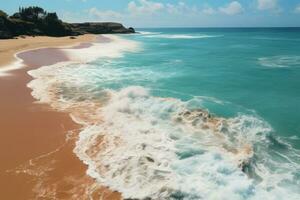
(36, 21)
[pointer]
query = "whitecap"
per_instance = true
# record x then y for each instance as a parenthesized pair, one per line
(280, 61)
(163, 148)
(148, 32)
(158, 148)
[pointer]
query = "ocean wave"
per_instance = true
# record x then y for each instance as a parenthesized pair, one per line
(146, 146)
(148, 32)
(113, 49)
(181, 36)
(280, 61)
(157, 147)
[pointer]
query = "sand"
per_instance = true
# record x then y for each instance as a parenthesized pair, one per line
(37, 162)
(8, 48)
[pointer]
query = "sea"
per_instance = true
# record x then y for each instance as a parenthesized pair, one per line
(186, 113)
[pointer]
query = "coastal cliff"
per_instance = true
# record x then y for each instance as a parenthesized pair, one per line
(100, 28)
(35, 21)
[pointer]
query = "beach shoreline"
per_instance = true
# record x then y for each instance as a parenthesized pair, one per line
(37, 142)
(9, 48)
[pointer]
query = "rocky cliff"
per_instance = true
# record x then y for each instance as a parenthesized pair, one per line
(35, 21)
(100, 28)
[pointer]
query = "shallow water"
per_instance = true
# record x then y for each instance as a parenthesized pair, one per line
(187, 113)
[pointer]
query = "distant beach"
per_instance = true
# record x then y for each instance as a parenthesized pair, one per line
(10, 47)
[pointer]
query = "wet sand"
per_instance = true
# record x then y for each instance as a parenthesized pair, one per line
(37, 162)
(8, 48)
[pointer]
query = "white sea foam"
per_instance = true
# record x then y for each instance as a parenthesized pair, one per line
(164, 148)
(152, 147)
(48, 78)
(181, 36)
(280, 61)
(148, 33)
(112, 49)
(17, 64)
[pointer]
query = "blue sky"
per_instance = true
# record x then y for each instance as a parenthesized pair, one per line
(172, 13)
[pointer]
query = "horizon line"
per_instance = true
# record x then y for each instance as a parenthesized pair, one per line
(229, 27)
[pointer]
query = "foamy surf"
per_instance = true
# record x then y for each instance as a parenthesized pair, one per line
(145, 146)
(148, 33)
(113, 49)
(159, 148)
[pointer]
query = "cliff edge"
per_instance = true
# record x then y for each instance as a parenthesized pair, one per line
(35, 21)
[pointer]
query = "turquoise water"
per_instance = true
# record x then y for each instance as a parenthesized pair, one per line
(229, 67)
(189, 114)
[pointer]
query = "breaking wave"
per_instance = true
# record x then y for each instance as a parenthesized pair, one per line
(148, 32)
(145, 146)
(159, 148)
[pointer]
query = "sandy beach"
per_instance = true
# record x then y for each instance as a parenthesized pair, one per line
(8, 48)
(36, 145)
(150, 100)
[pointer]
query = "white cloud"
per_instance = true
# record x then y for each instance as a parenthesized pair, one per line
(180, 8)
(144, 7)
(266, 4)
(175, 9)
(297, 9)
(232, 8)
(104, 15)
(209, 11)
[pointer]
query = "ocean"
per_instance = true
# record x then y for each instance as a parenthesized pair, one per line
(186, 113)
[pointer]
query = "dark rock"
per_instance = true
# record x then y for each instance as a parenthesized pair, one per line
(131, 29)
(150, 159)
(100, 28)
